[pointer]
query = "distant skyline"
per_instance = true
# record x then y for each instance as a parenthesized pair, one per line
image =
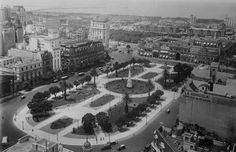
(165, 8)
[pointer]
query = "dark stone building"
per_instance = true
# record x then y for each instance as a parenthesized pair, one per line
(75, 56)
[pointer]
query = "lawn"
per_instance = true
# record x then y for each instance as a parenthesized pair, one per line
(79, 95)
(60, 124)
(163, 67)
(124, 73)
(149, 75)
(33, 121)
(102, 100)
(119, 86)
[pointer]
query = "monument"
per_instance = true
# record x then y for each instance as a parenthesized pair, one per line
(129, 81)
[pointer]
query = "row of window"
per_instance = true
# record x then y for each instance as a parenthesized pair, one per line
(30, 67)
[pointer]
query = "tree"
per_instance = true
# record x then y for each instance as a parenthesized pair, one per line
(39, 105)
(127, 100)
(149, 87)
(151, 100)
(38, 96)
(107, 71)
(70, 86)
(94, 74)
(63, 86)
(76, 83)
(88, 122)
(103, 121)
(178, 68)
(54, 90)
(133, 61)
(116, 67)
(88, 78)
(157, 94)
(46, 94)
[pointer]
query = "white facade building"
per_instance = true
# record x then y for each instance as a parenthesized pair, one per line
(49, 43)
(99, 30)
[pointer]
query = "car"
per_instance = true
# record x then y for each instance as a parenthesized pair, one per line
(106, 147)
(81, 74)
(112, 143)
(121, 147)
(22, 97)
(56, 80)
(168, 111)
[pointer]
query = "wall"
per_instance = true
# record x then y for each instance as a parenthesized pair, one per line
(212, 116)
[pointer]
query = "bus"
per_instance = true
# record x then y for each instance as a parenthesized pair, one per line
(64, 77)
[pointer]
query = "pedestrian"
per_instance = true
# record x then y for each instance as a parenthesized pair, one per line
(2, 117)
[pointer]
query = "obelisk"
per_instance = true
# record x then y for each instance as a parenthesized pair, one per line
(129, 81)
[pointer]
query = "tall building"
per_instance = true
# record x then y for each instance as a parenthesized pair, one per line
(99, 30)
(8, 39)
(193, 19)
(21, 13)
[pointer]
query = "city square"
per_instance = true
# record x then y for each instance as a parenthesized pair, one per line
(76, 111)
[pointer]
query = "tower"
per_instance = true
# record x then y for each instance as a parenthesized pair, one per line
(129, 81)
(213, 70)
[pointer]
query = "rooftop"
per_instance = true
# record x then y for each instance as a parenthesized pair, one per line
(201, 72)
(222, 90)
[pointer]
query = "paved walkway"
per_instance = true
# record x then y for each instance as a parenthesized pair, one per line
(77, 111)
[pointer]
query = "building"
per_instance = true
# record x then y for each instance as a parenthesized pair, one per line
(193, 19)
(21, 13)
(31, 144)
(47, 63)
(99, 30)
(44, 56)
(75, 56)
(8, 40)
(202, 32)
(48, 43)
(205, 73)
(28, 70)
(230, 22)
(210, 104)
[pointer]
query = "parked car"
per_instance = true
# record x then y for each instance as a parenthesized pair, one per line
(56, 80)
(106, 147)
(168, 111)
(121, 147)
(22, 97)
(112, 143)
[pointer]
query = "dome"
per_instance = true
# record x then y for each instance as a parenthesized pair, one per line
(87, 144)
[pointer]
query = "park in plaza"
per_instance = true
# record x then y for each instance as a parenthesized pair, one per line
(113, 106)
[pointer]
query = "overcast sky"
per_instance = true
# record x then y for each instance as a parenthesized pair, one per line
(165, 8)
